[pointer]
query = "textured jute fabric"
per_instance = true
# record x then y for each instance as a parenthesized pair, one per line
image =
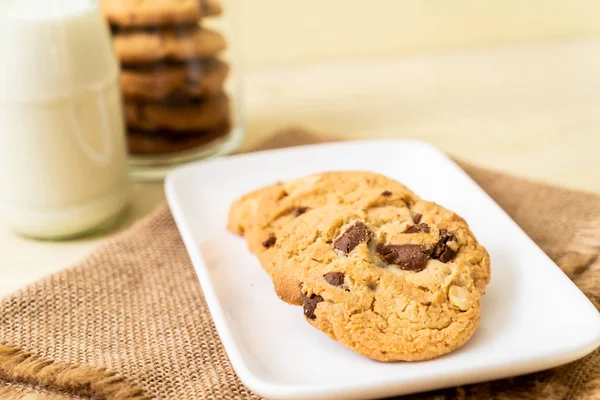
(130, 321)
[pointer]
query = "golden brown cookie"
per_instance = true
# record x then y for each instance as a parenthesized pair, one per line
(151, 46)
(169, 142)
(295, 197)
(260, 215)
(285, 281)
(196, 78)
(142, 13)
(277, 206)
(243, 211)
(391, 282)
(192, 115)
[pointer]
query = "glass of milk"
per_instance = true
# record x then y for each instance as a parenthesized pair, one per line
(62, 143)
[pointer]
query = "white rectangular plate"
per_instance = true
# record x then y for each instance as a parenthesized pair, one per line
(533, 316)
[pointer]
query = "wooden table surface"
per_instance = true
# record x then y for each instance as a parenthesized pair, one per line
(532, 110)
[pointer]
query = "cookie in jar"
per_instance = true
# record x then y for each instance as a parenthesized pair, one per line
(178, 80)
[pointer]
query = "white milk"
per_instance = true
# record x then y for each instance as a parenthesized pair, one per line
(62, 143)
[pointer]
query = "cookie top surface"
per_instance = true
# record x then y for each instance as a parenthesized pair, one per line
(297, 196)
(193, 79)
(143, 13)
(243, 211)
(392, 282)
(153, 45)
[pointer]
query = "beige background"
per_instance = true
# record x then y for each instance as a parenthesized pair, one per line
(513, 85)
(292, 32)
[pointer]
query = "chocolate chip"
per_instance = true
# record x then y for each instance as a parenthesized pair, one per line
(447, 255)
(439, 247)
(417, 218)
(301, 210)
(412, 257)
(193, 80)
(310, 304)
(412, 229)
(441, 251)
(355, 235)
(387, 193)
(423, 227)
(426, 303)
(271, 240)
(334, 278)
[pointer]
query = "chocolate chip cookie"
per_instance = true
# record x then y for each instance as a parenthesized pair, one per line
(139, 47)
(190, 116)
(196, 78)
(275, 205)
(391, 282)
(297, 196)
(260, 215)
(165, 142)
(243, 211)
(142, 13)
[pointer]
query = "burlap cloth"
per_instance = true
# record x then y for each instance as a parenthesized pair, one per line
(130, 321)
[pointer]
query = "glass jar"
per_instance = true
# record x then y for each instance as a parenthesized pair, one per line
(178, 79)
(63, 168)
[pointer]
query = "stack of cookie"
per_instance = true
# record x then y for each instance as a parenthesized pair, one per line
(387, 274)
(172, 80)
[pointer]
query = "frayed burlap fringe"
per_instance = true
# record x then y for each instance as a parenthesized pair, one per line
(17, 393)
(19, 366)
